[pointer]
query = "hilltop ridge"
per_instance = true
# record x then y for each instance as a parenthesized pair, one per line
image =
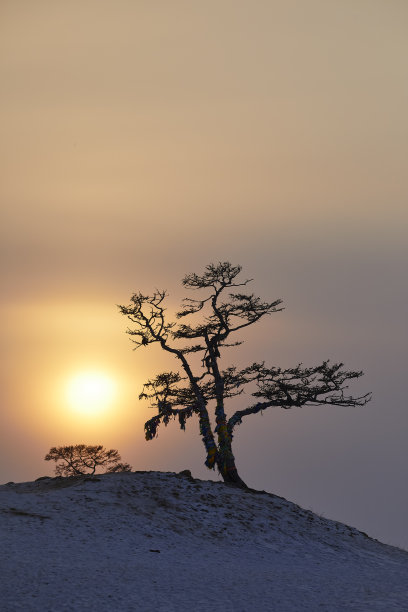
(156, 541)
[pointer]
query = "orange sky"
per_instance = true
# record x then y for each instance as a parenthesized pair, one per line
(140, 141)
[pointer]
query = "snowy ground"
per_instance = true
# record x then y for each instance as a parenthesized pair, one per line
(161, 542)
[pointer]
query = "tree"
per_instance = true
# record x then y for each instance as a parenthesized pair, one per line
(202, 383)
(83, 459)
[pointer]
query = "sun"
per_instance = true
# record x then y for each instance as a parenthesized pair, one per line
(90, 393)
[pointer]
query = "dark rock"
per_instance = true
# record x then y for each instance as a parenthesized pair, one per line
(186, 473)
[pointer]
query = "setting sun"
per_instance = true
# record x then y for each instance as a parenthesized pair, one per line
(90, 393)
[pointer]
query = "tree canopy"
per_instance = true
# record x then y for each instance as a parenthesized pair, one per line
(199, 338)
(84, 459)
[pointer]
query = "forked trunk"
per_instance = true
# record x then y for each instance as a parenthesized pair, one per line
(220, 455)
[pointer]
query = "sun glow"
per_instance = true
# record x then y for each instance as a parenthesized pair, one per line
(90, 393)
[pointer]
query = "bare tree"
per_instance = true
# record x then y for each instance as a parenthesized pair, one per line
(83, 459)
(202, 382)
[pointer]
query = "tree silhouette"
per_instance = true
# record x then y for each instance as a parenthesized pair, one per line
(202, 382)
(83, 459)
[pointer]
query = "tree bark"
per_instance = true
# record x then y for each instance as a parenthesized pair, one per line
(228, 469)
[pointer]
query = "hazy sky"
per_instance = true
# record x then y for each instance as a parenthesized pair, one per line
(142, 140)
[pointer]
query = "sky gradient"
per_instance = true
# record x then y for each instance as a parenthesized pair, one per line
(141, 141)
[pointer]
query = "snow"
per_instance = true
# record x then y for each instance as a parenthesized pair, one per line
(164, 542)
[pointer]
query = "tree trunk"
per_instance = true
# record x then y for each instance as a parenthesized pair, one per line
(208, 439)
(228, 470)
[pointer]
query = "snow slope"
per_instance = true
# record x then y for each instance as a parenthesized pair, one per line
(163, 542)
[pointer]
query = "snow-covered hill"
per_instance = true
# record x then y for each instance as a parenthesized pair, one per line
(163, 542)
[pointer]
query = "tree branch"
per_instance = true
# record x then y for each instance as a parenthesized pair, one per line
(298, 387)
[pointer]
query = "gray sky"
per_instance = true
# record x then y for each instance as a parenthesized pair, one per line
(141, 141)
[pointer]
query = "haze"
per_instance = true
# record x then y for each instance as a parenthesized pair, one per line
(141, 141)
